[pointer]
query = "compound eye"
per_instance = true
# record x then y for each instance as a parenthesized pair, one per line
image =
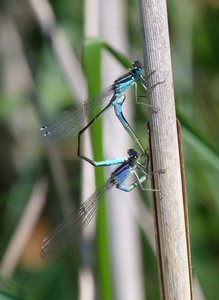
(137, 65)
(132, 153)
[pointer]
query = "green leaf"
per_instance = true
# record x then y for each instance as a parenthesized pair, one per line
(199, 142)
(7, 296)
(92, 66)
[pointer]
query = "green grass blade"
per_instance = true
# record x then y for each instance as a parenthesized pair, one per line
(199, 142)
(120, 57)
(92, 66)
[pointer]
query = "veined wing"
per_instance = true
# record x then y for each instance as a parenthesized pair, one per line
(68, 231)
(71, 121)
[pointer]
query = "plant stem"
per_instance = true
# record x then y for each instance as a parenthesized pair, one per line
(172, 239)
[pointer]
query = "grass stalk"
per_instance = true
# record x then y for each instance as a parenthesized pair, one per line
(172, 239)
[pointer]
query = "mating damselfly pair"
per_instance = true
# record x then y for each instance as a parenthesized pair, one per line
(74, 122)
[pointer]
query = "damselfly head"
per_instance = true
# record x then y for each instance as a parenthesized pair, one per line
(137, 67)
(132, 154)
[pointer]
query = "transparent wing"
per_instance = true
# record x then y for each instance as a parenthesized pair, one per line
(68, 231)
(71, 121)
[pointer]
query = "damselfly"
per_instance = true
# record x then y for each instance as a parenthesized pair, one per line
(65, 233)
(70, 122)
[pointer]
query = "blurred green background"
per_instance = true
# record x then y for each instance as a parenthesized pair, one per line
(35, 87)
